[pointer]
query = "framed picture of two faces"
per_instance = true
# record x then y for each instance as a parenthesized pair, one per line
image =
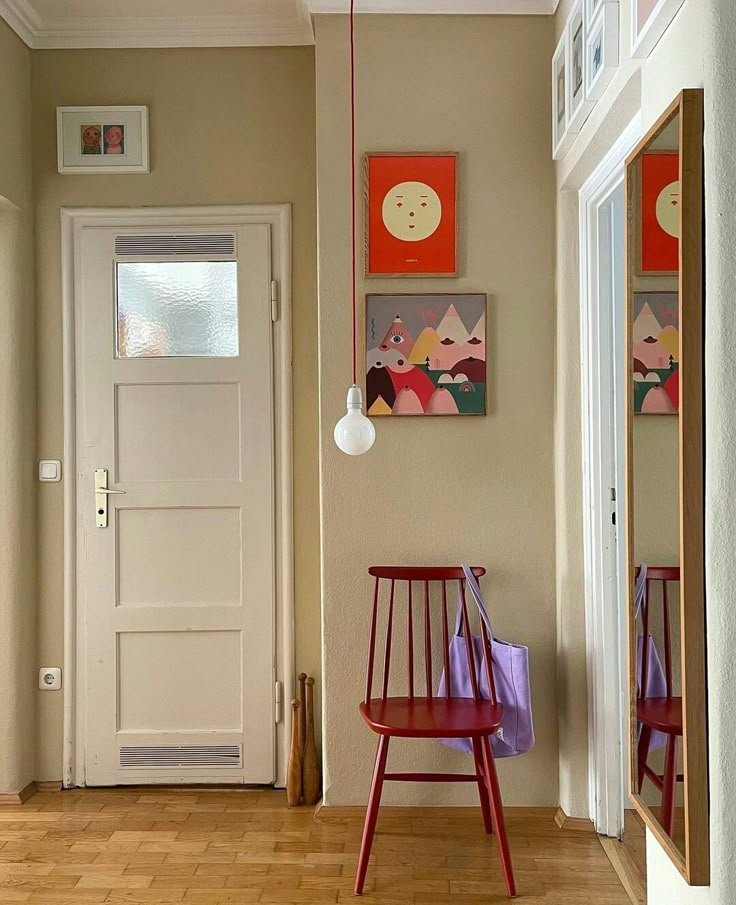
(102, 139)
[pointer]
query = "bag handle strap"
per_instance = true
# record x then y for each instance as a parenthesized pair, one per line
(472, 583)
(640, 591)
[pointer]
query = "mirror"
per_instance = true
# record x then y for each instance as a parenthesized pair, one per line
(665, 485)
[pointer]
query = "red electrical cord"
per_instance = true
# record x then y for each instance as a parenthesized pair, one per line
(352, 192)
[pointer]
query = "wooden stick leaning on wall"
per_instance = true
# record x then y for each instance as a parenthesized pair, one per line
(302, 713)
(294, 772)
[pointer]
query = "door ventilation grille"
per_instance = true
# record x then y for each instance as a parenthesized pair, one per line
(219, 244)
(182, 756)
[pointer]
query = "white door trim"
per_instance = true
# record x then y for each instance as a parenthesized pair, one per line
(605, 632)
(73, 221)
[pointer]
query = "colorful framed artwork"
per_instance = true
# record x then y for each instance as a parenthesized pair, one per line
(561, 138)
(426, 354)
(650, 19)
(660, 214)
(578, 105)
(602, 52)
(102, 139)
(411, 214)
(656, 353)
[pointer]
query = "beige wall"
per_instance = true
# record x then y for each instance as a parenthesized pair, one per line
(228, 126)
(17, 421)
(438, 490)
(572, 690)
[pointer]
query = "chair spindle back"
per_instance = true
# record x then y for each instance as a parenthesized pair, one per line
(388, 594)
(663, 575)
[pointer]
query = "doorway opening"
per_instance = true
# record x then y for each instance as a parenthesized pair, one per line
(603, 401)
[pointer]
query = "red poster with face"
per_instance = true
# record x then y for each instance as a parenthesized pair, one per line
(411, 215)
(660, 213)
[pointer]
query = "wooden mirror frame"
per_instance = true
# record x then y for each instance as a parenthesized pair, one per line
(694, 865)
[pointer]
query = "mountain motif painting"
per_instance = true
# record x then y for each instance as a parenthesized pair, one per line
(426, 354)
(656, 353)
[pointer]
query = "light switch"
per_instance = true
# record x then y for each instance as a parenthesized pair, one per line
(49, 470)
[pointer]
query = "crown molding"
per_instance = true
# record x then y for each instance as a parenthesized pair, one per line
(188, 31)
(440, 7)
(181, 31)
(22, 18)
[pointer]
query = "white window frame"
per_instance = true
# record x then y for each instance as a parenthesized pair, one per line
(605, 619)
(278, 217)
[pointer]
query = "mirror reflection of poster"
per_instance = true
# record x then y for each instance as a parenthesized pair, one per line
(656, 353)
(660, 213)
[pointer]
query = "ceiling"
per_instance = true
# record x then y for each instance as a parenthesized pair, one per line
(211, 23)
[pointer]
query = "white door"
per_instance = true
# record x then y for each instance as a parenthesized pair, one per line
(175, 414)
(612, 302)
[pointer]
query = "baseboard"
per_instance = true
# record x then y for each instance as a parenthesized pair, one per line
(11, 798)
(578, 824)
(627, 872)
(53, 785)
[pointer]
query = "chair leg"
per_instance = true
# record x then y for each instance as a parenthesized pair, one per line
(499, 823)
(485, 805)
(669, 787)
(642, 754)
(371, 814)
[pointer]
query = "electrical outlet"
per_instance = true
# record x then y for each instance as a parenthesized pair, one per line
(49, 678)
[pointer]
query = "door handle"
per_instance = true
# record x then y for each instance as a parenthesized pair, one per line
(102, 492)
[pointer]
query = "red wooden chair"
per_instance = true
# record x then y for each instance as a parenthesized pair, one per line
(427, 715)
(660, 714)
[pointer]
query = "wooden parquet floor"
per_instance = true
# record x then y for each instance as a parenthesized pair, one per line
(223, 847)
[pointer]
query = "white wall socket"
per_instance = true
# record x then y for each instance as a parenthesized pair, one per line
(49, 678)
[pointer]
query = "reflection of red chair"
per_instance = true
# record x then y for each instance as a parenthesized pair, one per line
(431, 716)
(660, 714)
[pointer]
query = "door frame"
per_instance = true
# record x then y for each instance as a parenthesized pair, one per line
(605, 619)
(73, 222)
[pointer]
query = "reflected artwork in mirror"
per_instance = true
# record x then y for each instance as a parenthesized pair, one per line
(665, 481)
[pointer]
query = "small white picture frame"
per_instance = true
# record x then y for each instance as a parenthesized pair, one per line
(561, 138)
(592, 8)
(602, 52)
(102, 140)
(649, 24)
(578, 105)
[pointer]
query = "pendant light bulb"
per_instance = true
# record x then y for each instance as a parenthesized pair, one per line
(354, 433)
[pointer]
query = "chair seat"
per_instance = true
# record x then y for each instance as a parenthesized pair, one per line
(661, 714)
(432, 717)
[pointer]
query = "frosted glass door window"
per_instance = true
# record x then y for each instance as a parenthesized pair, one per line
(177, 309)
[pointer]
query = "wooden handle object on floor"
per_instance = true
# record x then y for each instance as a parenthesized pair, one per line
(311, 781)
(294, 773)
(302, 713)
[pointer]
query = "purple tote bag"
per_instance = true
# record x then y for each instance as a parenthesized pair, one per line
(511, 677)
(656, 681)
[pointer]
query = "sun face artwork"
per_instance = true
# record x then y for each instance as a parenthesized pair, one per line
(656, 353)
(411, 214)
(426, 354)
(660, 213)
